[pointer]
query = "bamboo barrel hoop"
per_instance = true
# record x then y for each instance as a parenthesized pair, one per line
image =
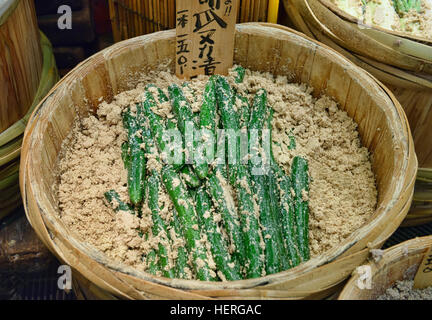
(20, 60)
(399, 262)
(285, 53)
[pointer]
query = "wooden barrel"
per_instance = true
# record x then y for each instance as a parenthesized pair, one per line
(320, 20)
(11, 138)
(131, 18)
(20, 60)
(400, 50)
(381, 122)
(400, 262)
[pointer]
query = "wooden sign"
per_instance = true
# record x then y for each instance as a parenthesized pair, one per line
(423, 278)
(205, 36)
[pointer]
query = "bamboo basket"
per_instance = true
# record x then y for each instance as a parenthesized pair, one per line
(412, 89)
(399, 50)
(11, 138)
(131, 18)
(399, 262)
(20, 58)
(261, 47)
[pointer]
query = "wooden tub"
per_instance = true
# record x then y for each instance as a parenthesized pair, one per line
(382, 125)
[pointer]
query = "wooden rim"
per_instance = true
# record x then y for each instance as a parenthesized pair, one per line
(346, 16)
(404, 251)
(7, 9)
(390, 75)
(349, 35)
(419, 80)
(405, 84)
(57, 238)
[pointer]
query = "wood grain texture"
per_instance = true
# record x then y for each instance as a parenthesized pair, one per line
(330, 5)
(205, 39)
(138, 17)
(20, 63)
(382, 125)
(397, 263)
(11, 139)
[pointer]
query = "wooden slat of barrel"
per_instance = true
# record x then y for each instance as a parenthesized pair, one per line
(20, 61)
(11, 139)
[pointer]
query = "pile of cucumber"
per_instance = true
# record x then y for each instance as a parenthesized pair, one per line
(235, 224)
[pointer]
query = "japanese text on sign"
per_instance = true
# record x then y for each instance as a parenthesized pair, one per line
(205, 36)
(423, 278)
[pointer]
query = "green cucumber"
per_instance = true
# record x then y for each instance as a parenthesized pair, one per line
(281, 188)
(184, 206)
(137, 162)
(159, 228)
(190, 177)
(113, 199)
(181, 263)
(125, 154)
(244, 112)
(240, 73)
(273, 252)
(207, 118)
(230, 121)
(162, 97)
(259, 110)
(250, 225)
(182, 109)
(187, 87)
(275, 210)
(264, 187)
(292, 141)
(224, 204)
(156, 124)
(219, 247)
(300, 181)
(287, 216)
(151, 262)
